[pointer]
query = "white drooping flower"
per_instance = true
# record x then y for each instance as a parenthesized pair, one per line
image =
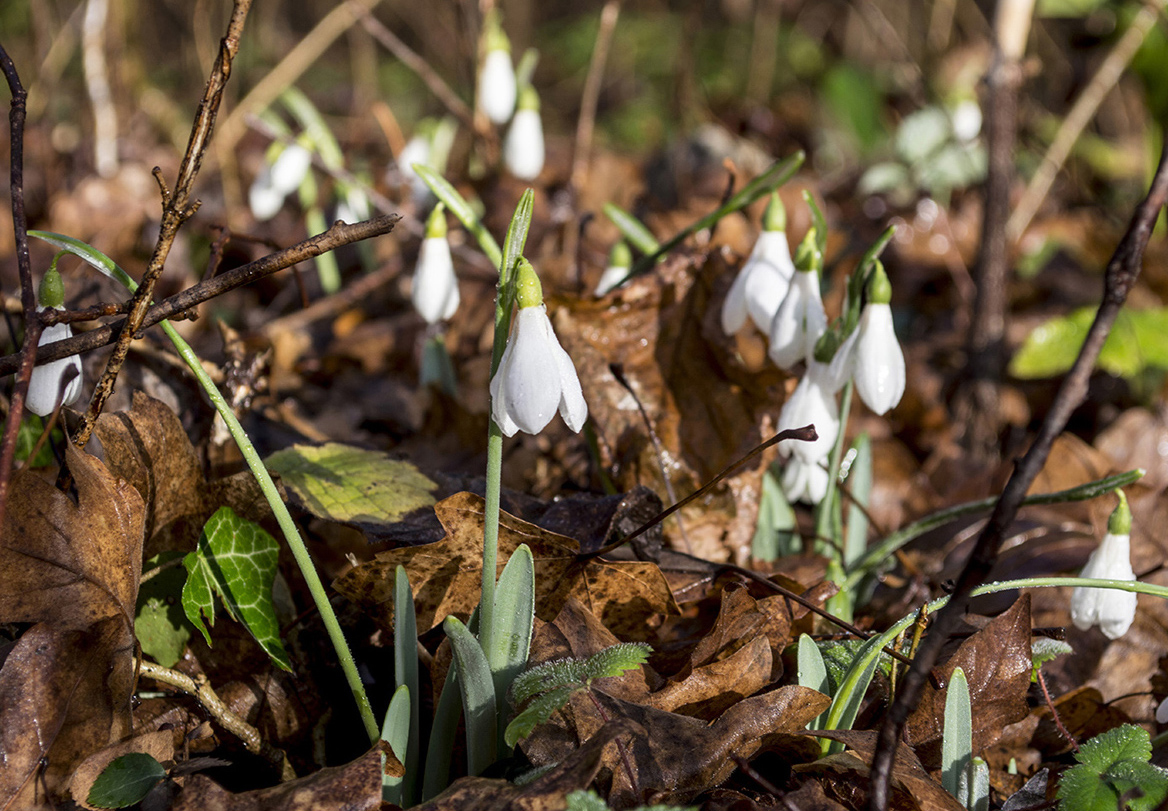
(435, 290)
(871, 355)
(277, 180)
(535, 377)
(497, 87)
(812, 403)
(416, 151)
(47, 379)
(619, 263)
(523, 151)
(800, 319)
(1112, 610)
(765, 277)
(802, 481)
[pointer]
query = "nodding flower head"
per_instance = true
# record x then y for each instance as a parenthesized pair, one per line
(523, 151)
(800, 319)
(619, 263)
(277, 180)
(57, 378)
(535, 377)
(435, 291)
(497, 90)
(1112, 610)
(765, 277)
(871, 355)
(812, 403)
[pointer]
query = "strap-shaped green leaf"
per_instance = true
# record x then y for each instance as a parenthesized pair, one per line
(461, 209)
(478, 696)
(859, 486)
(514, 617)
(98, 260)
(957, 737)
(812, 671)
(405, 668)
(395, 730)
(632, 229)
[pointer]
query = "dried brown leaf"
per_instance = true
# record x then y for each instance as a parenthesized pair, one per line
(445, 576)
(997, 665)
(711, 689)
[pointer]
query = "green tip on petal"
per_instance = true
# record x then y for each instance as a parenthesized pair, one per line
(807, 255)
(494, 34)
(775, 216)
(528, 98)
(52, 290)
(1120, 521)
(879, 288)
(528, 290)
(828, 344)
(436, 223)
(621, 256)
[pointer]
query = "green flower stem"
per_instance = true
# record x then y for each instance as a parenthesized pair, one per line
(876, 556)
(491, 534)
(823, 513)
(291, 532)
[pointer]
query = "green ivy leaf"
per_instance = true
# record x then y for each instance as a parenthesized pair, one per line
(349, 484)
(126, 781)
(159, 624)
(236, 560)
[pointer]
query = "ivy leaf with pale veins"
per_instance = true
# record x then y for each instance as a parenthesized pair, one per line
(236, 560)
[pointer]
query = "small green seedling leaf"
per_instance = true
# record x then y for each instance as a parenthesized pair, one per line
(1135, 343)
(236, 560)
(344, 483)
(615, 660)
(589, 800)
(478, 696)
(957, 737)
(632, 229)
(461, 209)
(395, 730)
(1110, 766)
(1044, 649)
(537, 712)
(126, 781)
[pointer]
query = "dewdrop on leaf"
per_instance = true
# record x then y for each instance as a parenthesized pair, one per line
(535, 377)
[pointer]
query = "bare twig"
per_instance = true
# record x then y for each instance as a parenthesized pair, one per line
(420, 66)
(590, 96)
(205, 694)
(32, 324)
(340, 234)
(176, 209)
(1122, 271)
(1080, 115)
(105, 118)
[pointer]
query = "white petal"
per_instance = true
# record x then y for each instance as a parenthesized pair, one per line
(263, 198)
(611, 277)
(523, 150)
(842, 366)
(573, 408)
(499, 393)
(290, 167)
(804, 482)
(769, 279)
(810, 404)
(532, 395)
(879, 362)
(734, 307)
(497, 90)
(798, 323)
(45, 384)
(435, 292)
(1162, 712)
(1112, 610)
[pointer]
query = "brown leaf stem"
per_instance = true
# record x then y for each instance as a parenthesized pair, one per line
(1122, 271)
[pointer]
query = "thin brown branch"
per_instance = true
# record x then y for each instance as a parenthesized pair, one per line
(177, 209)
(340, 234)
(590, 96)
(458, 108)
(32, 324)
(1122, 272)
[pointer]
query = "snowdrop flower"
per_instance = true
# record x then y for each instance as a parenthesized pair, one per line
(416, 151)
(871, 355)
(1112, 610)
(804, 482)
(47, 379)
(523, 149)
(1162, 712)
(812, 403)
(277, 180)
(619, 263)
(765, 277)
(800, 319)
(435, 291)
(497, 90)
(353, 205)
(535, 375)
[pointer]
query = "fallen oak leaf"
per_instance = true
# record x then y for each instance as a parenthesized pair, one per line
(446, 576)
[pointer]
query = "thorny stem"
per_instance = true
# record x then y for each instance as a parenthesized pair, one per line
(32, 324)
(1122, 271)
(176, 210)
(336, 236)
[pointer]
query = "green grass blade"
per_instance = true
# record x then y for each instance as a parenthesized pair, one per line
(812, 671)
(395, 730)
(95, 258)
(632, 229)
(441, 747)
(461, 210)
(957, 738)
(478, 696)
(405, 668)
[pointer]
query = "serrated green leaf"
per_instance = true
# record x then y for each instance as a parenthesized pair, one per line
(1126, 742)
(546, 677)
(126, 780)
(349, 484)
(615, 660)
(159, 623)
(586, 801)
(850, 694)
(537, 712)
(478, 696)
(236, 560)
(957, 736)
(395, 730)
(1044, 649)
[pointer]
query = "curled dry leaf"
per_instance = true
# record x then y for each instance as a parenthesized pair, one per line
(997, 665)
(356, 786)
(73, 570)
(446, 576)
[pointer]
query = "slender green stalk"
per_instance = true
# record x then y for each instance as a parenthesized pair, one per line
(823, 513)
(291, 531)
